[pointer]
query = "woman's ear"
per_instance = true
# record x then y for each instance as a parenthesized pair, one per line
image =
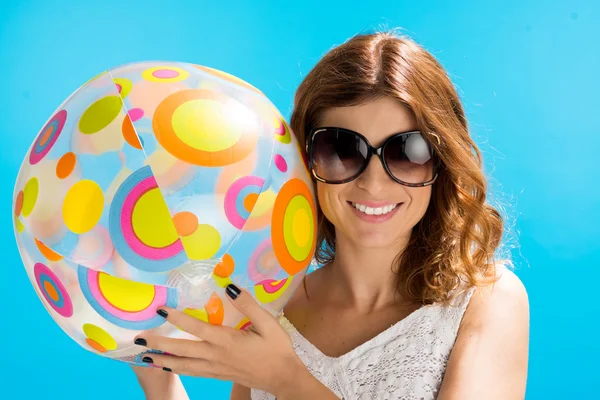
(437, 138)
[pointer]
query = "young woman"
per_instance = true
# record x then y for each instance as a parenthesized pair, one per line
(412, 302)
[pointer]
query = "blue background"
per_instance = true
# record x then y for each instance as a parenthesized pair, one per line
(528, 76)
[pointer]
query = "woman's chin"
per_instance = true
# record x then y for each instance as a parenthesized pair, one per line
(372, 239)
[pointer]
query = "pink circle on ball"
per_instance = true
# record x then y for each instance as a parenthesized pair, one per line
(280, 129)
(63, 304)
(246, 326)
(231, 198)
(280, 163)
(259, 267)
(165, 73)
(131, 238)
(119, 87)
(135, 114)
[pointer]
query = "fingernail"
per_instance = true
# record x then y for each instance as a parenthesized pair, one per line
(167, 369)
(140, 341)
(147, 360)
(162, 313)
(232, 291)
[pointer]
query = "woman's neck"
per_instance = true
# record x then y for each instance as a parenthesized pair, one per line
(363, 277)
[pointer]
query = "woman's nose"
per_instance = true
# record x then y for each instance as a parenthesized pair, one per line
(374, 178)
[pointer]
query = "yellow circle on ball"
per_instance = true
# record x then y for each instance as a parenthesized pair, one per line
(301, 231)
(83, 206)
(152, 221)
(298, 228)
(201, 124)
(265, 297)
(100, 336)
(125, 84)
(125, 295)
(30, 194)
(203, 243)
(19, 225)
(264, 203)
(198, 313)
(222, 282)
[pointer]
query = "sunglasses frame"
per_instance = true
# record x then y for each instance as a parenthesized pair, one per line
(370, 152)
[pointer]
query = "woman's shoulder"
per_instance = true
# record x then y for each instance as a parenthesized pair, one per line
(492, 302)
(506, 287)
(493, 336)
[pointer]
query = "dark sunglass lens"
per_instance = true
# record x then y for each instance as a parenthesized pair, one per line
(409, 158)
(338, 155)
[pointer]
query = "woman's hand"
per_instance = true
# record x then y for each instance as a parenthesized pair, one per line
(261, 358)
(160, 385)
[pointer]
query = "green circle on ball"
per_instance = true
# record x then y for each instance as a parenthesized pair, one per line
(100, 114)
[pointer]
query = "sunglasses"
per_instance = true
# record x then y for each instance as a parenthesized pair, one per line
(338, 155)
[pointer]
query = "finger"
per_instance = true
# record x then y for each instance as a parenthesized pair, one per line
(262, 321)
(184, 365)
(179, 347)
(189, 324)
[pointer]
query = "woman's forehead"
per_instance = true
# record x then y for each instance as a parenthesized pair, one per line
(375, 119)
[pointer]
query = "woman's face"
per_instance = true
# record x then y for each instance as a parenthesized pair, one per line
(342, 203)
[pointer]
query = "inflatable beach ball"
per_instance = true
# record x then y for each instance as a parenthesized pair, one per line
(160, 183)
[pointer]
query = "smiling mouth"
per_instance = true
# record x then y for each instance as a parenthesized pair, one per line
(374, 210)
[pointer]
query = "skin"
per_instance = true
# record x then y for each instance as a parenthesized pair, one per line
(490, 356)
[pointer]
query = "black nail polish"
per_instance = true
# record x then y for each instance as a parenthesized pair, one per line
(141, 342)
(232, 291)
(167, 369)
(162, 313)
(147, 360)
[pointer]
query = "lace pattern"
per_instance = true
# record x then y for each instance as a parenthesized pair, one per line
(406, 361)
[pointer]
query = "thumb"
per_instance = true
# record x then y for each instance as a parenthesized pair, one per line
(262, 321)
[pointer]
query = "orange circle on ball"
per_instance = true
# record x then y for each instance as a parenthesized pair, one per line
(47, 251)
(51, 291)
(46, 135)
(171, 140)
(95, 345)
(129, 133)
(19, 203)
(288, 192)
(225, 268)
(66, 165)
(185, 222)
(249, 201)
(215, 310)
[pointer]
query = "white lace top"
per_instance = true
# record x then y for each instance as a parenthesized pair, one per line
(406, 361)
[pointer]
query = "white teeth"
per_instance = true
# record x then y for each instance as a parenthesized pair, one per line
(374, 211)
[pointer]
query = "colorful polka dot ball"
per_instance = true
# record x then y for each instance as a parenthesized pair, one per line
(159, 183)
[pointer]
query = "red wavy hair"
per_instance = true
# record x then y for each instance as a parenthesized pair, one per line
(457, 238)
